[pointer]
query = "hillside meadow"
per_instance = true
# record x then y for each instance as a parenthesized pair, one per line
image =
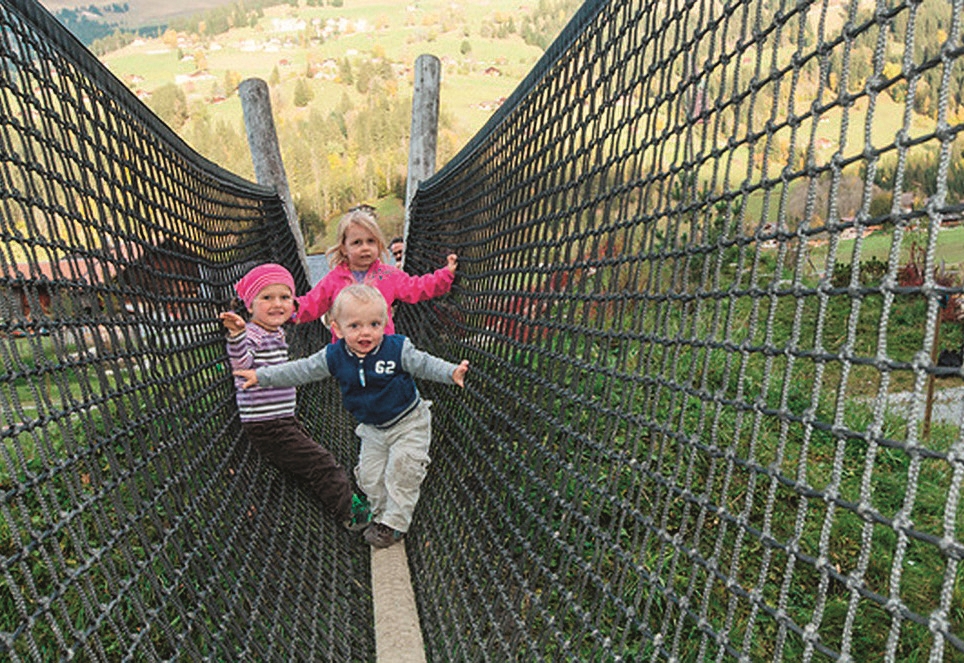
(336, 72)
(472, 84)
(324, 54)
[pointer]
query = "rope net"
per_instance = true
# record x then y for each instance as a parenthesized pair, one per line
(137, 523)
(705, 298)
(704, 293)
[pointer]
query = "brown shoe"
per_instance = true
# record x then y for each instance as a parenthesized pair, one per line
(378, 535)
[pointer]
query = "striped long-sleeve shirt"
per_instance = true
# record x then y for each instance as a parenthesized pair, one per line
(253, 348)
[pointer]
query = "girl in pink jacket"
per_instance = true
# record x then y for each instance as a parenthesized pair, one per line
(355, 258)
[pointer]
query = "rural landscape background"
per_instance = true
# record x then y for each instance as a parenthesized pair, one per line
(340, 74)
(791, 370)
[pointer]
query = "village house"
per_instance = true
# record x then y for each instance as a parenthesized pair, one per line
(34, 294)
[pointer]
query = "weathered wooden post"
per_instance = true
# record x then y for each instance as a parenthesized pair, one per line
(423, 141)
(266, 153)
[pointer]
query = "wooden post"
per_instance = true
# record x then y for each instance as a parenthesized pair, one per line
(398, 633)
(424, 135)
(266, 153)
(935, 354)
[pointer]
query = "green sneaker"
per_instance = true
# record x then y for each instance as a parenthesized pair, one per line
(361, 513)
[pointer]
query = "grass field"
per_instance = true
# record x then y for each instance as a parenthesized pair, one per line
(950, 248)
(478, 71)
(256, 52)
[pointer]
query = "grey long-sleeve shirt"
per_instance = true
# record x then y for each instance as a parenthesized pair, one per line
(378, 388)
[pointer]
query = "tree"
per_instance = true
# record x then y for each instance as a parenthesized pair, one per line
(364, 77)
(312, 225)
(344, 72)
(303, 93)
(898, 91)
(170, 104)
(345, 105)
(169, 38)
(232, 80)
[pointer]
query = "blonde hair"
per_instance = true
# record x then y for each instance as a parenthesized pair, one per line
(361, 294)
(360, 216)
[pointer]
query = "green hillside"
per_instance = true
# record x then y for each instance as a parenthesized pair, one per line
(340, 73)
(277, 42)
(341, 81)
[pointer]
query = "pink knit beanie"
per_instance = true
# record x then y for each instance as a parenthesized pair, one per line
(260, 278)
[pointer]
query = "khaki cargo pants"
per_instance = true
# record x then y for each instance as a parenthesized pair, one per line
(393, 463)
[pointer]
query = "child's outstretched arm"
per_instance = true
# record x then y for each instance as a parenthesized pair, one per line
(233, 322)
(458, 375)
(250, 377)
(429, 367)
(288, 374)
(316, 302)
(240, 348)
(414, 289)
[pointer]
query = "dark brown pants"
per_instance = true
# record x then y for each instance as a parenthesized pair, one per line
(287, 445)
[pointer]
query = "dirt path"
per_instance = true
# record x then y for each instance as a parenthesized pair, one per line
(947, 406)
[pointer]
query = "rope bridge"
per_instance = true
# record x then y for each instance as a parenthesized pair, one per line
(700, 253)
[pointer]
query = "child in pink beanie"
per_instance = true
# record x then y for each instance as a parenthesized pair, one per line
(268, 414)
(261, 277)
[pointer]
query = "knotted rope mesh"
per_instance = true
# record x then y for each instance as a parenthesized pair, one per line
(700, 256)
(691, 283)
(137, 523)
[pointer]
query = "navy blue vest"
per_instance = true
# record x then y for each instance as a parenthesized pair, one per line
(374, 388)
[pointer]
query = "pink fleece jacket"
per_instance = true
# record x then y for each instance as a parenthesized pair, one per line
(393, 283)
